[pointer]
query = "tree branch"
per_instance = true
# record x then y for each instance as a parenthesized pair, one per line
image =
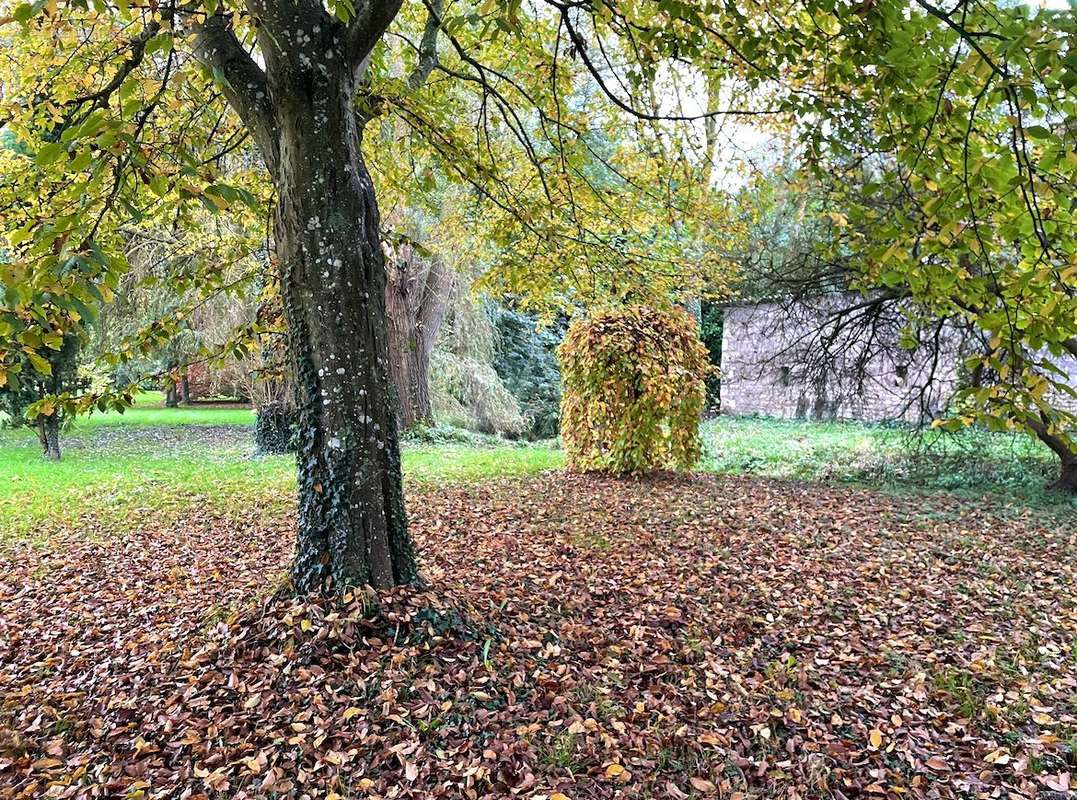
(242, 81)
(428, 46)
(372, 19)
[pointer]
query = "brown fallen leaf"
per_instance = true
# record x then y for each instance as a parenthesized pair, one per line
(702, 785)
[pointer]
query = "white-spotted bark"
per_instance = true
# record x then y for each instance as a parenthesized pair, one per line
(302, 112)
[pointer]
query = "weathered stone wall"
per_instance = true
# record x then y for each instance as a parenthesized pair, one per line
(765, 348)
(1065, 400)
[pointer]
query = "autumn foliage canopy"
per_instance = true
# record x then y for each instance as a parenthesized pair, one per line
(633, 390)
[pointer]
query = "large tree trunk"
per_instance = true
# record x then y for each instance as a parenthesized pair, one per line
(1067, 481)
(301, 110)
(416, 297)
(352, 528)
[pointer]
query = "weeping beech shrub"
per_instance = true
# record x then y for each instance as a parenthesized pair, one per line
(634, 390)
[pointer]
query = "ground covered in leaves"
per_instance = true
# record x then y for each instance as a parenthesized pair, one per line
(578, 638)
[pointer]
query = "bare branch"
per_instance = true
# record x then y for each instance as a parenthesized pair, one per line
(428, 46)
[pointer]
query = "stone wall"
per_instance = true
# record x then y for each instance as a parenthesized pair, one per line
(1065, 400)
(765, 348)
(771, 353)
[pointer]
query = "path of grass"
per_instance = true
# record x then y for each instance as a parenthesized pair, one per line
(117, 469)
(118, 477)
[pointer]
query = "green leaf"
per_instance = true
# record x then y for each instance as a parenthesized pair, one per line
(38, 363)
(49, 153)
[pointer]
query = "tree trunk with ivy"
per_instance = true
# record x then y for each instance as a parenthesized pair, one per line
(274, 391)
(302, 113)
(274, 428)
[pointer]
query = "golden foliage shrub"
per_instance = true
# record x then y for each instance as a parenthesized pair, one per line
(633, 390)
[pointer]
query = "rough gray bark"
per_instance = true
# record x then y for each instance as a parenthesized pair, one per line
(301, 112)
(416, 298)
(352, 525)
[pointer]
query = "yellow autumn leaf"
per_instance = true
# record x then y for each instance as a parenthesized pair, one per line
(875, 738)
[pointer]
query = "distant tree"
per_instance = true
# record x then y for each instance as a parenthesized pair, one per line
(272, 383)
(34, 395)
(949, 180)
(417, 293)
(525, 356)
(467, 389)
(712, 317)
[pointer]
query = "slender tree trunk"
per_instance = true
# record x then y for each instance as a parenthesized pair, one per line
(410, 370)
(352, 528)
(185, 388)
(416, 297)
(1061, 447)
(48, 434)
(274, 392)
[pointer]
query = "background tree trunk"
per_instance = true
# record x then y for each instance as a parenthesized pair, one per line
(48, 434)
(416, 298)
(274, 391)
(274, 426)
(352, 528)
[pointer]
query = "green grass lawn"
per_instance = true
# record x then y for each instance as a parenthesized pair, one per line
(149, 411)
(118, 470)
(972, 462)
